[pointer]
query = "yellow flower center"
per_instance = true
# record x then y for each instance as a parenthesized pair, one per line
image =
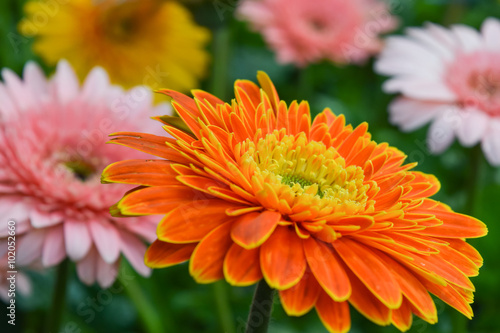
(305, 173)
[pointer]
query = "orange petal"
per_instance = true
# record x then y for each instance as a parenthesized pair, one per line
(204, 96)
(450, 296)
(241, 266)
(456, 226)
(140, 172)
(282, 259)
(299, 299)
(161, 254)
(327, 268)
(367, 304)
(253, 229)
(402, 317)
(155, 200)
(334, 315)
(412, 289)
(149, 144)
(206, 264)
(369, 268)
(268, 87)
(191, 222)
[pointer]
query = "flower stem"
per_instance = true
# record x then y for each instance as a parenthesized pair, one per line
(223, 308)
(221, 60)
(59, 298)
(260, 311)
(145, 309)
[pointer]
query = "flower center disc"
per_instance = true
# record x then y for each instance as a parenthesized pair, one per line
(306, 174)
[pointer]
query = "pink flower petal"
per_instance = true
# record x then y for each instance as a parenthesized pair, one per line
(106, 240)
(87, 267)
(134, 250)
(29, 247)
(106, 273)
(65, 82)
(77, 239)
(53, 247)
(35, 81)
(94, 87)
(43, 220)
(16, 89)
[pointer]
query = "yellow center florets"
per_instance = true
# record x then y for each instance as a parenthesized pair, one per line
(306, 173)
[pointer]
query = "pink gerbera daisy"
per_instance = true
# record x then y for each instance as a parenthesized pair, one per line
(53, 134)
(301, 32)
(451, 78)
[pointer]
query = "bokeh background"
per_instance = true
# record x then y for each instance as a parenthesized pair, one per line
(170, 296)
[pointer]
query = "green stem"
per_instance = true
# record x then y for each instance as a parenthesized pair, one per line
(220, 70)
(224, 311)
(260, 311)
(145, 309)
(473, 179)
(58, 299)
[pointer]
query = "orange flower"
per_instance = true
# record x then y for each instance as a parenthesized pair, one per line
(324, 214)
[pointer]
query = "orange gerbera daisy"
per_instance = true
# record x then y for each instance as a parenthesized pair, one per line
(325, 215)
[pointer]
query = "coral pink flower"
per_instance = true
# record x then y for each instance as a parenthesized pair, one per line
(53, 134)
(451, 78)
(301, 32)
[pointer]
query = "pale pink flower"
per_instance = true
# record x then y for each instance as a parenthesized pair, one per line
(303, 32)
(21, 281)
(53, 134)
(450, 78)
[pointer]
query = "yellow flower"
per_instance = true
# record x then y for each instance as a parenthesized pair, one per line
(150, 42)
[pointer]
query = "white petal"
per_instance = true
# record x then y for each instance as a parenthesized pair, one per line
(420, 89)
(491, 143)
(443, 35)
(427, 38)
(472, 128)
(77, 239)
(106, 240)
(65, 82)
(470, 39)
(410, 114)
(441, 134)
(491, 33)
(53, 248)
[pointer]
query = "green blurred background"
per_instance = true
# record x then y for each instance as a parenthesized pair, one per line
(178, 302)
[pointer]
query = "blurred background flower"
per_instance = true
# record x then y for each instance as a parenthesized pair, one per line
(451, 78)
(301, 32)
(53, 135)
(139, 42)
